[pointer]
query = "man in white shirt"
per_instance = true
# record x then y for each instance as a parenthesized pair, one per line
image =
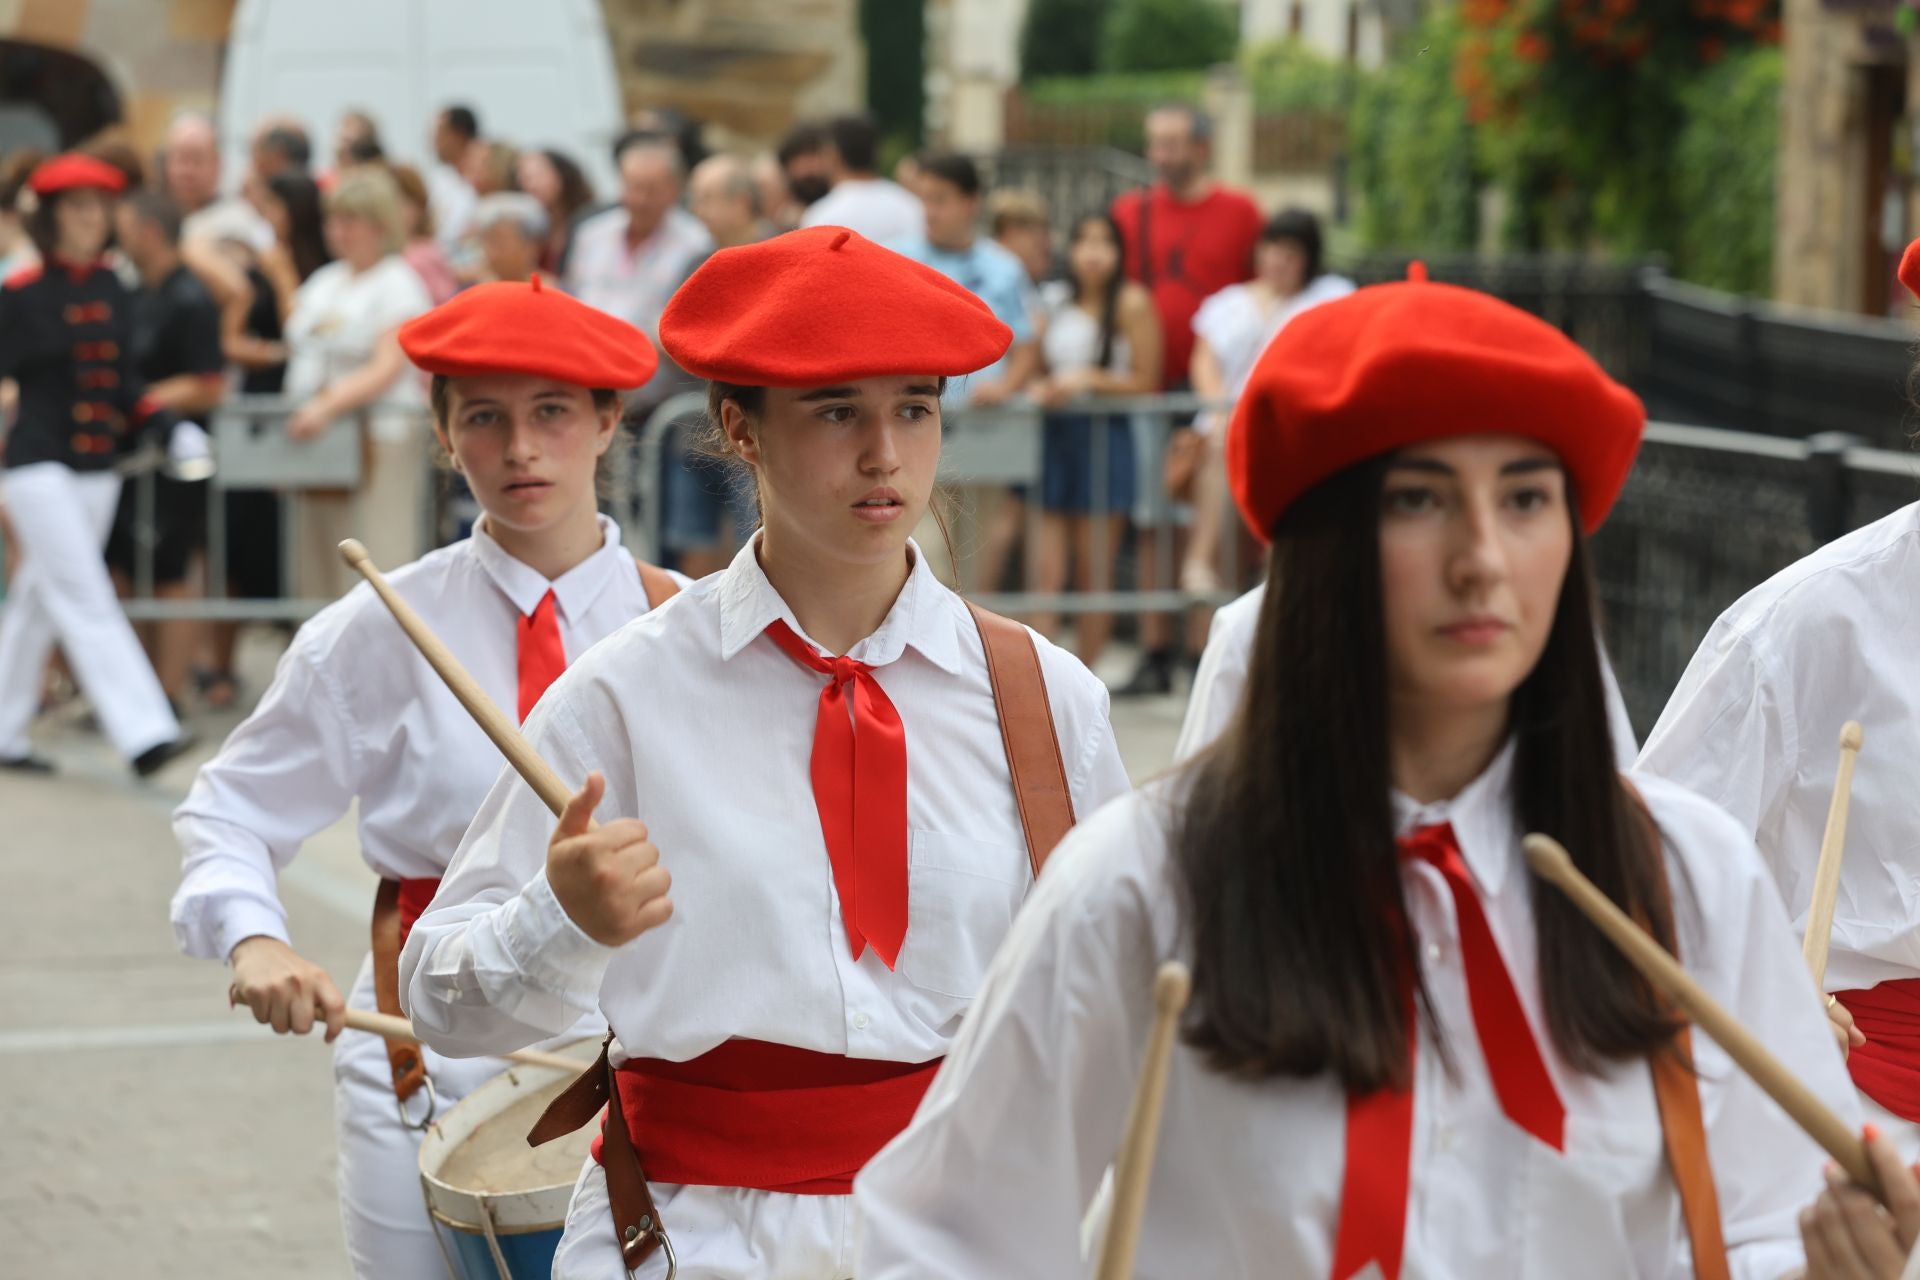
(882, 211)
(454, 132)
(190, 171)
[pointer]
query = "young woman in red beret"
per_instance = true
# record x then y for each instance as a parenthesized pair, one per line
(812, 743)
(1403, 1052)
(525, 396)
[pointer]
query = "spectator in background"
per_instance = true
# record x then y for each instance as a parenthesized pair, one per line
(1018, 223)
(280, 145)
(356, 143)
(344, 358)
(177, 349)
(291, 205)
(1101, 338)
(16, 246)
(562, 189)
(724, 195)
(805, 168)
(1230, 331)
(513, 234)
(455, 129)
(1187, 237)
(488, 167)
(423, 252)
(190, 174)
(860, 198)
(677, 127)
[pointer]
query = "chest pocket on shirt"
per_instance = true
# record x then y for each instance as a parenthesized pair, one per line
(961, 896)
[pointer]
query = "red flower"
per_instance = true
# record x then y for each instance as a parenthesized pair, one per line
(1532, 47)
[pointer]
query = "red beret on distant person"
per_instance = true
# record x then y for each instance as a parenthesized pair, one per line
(74, 171)
(1393, 365)
(1910, 268)
(825, 305)
(509, 327)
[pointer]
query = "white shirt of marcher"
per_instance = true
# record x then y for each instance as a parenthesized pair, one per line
(339, 317)
(452, 199)
(1014, 1137)
(1754, 726)
(878, 209)
(1222, 679)
(704, 729)
(354, 712)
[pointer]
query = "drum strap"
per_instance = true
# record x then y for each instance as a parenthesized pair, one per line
(409, 1068)
(657, 583)
(1046, 814)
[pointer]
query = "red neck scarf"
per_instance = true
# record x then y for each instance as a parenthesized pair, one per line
(1373, 1193)
(859, 769)
(541, 656)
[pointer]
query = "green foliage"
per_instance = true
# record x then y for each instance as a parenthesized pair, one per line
(1288, 75)
(1139, 90)
(1723, 171)
(1168, 35)
(1061, 37)
(896, 69)
(1411, 149)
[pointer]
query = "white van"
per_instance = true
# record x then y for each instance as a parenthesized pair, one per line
(537, 74)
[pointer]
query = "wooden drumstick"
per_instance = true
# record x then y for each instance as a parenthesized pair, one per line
(385, 1024)
(1826, 878)
(1134, 1166)
(1551, 863)
(493, 722)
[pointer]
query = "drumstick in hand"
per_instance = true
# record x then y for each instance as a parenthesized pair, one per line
(385, 1024)
(1551, 862)
(1826, 878)
(493, 722)
(1134, 1166)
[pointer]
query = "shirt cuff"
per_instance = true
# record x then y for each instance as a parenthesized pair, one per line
(238, 919)
(550, 949)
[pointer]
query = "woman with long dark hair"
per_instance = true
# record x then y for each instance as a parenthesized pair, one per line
(563, 190)
(1403, 1051)
(1100, 336)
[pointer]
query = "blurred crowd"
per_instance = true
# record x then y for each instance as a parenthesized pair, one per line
(290, 279)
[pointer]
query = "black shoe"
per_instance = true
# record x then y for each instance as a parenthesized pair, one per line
(154, 759)
(1154, 675)
(28, 763)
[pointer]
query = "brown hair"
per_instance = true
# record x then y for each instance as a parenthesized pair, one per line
(413, 190)
(440, 399)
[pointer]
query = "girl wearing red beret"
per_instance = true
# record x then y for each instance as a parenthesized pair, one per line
(849, 775)
(1404, 1056)
(525, 397)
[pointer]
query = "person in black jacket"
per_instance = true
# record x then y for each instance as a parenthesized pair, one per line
(66, 340)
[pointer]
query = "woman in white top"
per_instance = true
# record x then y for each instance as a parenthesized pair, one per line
(846, 852)
(524, 401)
(1403, 1052)
(343, 357)
(1230, 331)
(1100, 336)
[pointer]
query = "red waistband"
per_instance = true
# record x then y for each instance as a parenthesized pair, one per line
(1887, 1067)
(415, 897)
(766, 1116)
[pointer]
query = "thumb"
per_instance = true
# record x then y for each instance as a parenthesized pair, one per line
(577, 818)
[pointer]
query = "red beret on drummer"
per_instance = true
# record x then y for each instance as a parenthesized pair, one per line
(1910, 268)
(825, 305)
(1393, 365)
(509, 327)
(74, 171)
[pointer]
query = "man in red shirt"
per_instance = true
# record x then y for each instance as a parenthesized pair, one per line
(1186, 237)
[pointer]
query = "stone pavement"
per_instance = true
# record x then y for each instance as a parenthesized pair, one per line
(144, 1128)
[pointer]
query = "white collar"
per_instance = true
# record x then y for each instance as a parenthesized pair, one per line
(1481, 816)
(574, 591)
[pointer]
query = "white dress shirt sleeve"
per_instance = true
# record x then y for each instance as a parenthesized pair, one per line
(1083, 722)
(1217, 686)
(288, 772)
(495, 963)
(1044, 1067)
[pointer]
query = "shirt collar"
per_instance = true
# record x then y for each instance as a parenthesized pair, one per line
(924, 614)
(1481, 816)
(574, 591)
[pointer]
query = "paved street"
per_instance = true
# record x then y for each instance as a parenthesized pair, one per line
(145, 1127)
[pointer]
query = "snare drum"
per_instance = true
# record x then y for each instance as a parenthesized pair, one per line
(498, 1205)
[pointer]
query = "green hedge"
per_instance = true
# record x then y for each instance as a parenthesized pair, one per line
(1723, 174)
(1411, 149)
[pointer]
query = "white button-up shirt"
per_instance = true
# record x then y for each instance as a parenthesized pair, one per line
(880, 210)
(704, 729)
(1222, 677)
(354, 712)
(1011, 1142)
(1755, 727)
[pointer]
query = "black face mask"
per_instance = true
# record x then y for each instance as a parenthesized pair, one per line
(808, 190)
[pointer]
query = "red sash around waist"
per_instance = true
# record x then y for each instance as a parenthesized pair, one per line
(766, 1116)
(1887, 1066)
(415, 897)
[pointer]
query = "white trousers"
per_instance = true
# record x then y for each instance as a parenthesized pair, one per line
(61, 592)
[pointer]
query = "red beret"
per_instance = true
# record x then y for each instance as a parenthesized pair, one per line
(72, 171)
(509, 327)
(1393, 365)
(825, 305)
(1910, 268)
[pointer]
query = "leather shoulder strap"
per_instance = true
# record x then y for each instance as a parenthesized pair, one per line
(1026, 729)
(1677, 1093)
(404, 1060)
(657, 582)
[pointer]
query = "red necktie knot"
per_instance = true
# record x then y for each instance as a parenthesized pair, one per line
(1435, 844)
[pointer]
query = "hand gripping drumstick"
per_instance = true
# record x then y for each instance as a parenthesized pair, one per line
(505, 734)
(383, 1024)
(1134, 1166)
(1551, 863)
(1826, 879)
